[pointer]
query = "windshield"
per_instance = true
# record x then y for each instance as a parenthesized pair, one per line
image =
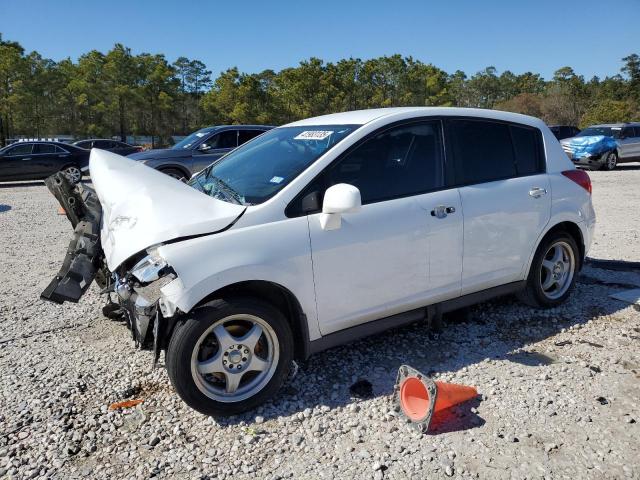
(259, 169)
(606, 131)
(191, 140)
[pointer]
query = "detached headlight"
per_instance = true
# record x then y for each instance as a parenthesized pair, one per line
(150, 268)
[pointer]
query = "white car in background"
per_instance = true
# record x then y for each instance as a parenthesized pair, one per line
(323, 231)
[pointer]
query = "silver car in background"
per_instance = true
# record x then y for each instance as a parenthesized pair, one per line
(604, 146)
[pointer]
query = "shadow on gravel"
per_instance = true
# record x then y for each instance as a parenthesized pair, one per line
(456, 419)
(37, 183)
(494, 330)
(4, 208)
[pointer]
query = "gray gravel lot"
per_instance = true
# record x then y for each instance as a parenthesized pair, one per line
(559, 388)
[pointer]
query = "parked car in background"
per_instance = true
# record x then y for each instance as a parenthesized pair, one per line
(324, 231)
(37, 160)
(114, 146)
(604, 146)
(198, 150)
(564, 131)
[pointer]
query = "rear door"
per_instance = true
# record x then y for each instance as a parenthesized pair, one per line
(47, 159)
(394, 254)
(505, 195)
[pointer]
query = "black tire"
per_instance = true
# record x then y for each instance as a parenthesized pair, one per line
(610, 161)
(533, 294)
(185, 339)
(173, 172)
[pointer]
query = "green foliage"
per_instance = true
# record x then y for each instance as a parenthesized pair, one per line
(119, 93)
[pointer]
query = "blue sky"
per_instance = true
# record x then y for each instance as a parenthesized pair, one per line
(539, 36)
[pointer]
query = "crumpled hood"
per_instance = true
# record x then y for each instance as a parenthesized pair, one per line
(591, 145)
(142, 207)
(161, 153)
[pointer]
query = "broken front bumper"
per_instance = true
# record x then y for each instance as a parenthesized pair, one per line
(84, 260)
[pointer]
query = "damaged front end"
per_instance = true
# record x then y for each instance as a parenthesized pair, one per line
(136, 284)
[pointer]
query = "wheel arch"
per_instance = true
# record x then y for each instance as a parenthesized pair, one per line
(171, 166)
(277, 295)
(572, 229)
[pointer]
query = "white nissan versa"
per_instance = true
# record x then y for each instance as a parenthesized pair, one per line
(321, 232)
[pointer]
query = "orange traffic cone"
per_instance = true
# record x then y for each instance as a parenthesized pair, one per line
(419, 397)
(61, 211)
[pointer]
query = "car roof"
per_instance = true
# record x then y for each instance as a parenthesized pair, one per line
(241, 127)
(620, 125)
(361, 117)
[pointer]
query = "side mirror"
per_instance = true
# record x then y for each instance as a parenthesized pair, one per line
(203, 147)
(339, 199)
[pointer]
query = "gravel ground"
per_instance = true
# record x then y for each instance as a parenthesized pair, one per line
(559, 389)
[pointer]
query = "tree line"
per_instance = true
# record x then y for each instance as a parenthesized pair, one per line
(118, 93)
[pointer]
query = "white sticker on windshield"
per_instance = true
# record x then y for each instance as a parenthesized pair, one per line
(199, 134)
(276, 180)
(313, 135)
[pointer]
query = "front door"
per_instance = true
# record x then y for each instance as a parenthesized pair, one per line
(404, 247)
(213, 148)
(17, 162)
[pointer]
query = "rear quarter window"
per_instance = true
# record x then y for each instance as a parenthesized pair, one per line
(527, 144)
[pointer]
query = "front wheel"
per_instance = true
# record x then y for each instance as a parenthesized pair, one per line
(553, 272)
(230, 355)
(611, 161)
(173, 172)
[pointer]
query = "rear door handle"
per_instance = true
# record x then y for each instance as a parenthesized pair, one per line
(442, 211)
(537, 192)
(25, 159)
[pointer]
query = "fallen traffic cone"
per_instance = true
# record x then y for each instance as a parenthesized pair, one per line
(419, 397)
(61, 211)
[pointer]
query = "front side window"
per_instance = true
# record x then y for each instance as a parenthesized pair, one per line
(22, 149)
(399, 162)
(482, 151)
(228, 139)
(192, 140)
(257, 170)
(627, 132)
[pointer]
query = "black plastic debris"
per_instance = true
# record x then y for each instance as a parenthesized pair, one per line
(602, 401)
(362, 389)
(595, 368)
(563, 343)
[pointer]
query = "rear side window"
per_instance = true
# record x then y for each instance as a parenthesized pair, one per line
(527, 145)
(104, 144)
(636, 131)
(482, 151)
(44, 148)
(228, 139)
(402, 161)
(246, 135)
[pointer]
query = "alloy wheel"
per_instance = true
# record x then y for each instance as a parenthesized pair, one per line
(73, 174)
(235, 358)
(612, 161)
(558, 269)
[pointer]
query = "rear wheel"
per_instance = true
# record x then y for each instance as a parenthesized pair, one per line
(230, 355)
(611, 161)
(173, 172)
(553, 272)
(73, 174)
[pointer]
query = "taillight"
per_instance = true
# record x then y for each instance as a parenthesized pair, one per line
(580, 177)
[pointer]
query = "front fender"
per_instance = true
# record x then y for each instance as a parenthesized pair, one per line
(277, 252)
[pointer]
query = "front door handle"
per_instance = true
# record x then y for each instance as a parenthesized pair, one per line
(442, 211)
(537, 192)
(28, 158)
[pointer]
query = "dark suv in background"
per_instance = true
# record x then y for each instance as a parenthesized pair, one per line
(199, 149)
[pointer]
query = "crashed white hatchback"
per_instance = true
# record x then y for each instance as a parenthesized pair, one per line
(320, 232)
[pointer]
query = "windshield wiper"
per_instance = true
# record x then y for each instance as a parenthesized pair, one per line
(228, 192)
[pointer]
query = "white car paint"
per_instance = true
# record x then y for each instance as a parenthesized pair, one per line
(142, 207)
(386, 258)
